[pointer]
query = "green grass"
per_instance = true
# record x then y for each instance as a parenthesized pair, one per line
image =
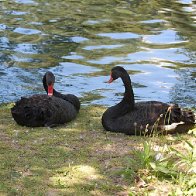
(80, 158)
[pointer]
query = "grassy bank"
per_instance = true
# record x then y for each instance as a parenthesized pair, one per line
(80, 158)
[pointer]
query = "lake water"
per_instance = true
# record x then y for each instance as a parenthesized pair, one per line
(80, 41)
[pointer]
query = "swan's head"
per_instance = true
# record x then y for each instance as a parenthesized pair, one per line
(49, 80)
(117, 72)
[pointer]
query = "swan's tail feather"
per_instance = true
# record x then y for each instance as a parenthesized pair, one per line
(188, 117)
(176, 114)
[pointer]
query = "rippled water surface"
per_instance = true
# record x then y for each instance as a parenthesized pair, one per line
(80, 41)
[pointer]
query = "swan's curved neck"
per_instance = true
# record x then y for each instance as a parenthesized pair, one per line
(128, 95)
(125, 106)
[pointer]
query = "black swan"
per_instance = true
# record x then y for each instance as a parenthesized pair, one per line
(48, 110)
(144, 117)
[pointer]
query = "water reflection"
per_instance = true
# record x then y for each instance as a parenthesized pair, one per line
(119, 35)
(25, 1)
(81, 41)
(164, 37)
(26, 31)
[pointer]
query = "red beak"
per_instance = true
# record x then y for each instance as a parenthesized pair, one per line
(50, 90)
(111, 79)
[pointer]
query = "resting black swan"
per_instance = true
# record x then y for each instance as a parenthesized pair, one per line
(46, 110)
(144, 117)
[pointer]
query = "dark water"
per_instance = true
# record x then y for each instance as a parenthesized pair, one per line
(80, 41)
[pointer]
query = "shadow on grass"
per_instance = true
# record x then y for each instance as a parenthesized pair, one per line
(79, 158)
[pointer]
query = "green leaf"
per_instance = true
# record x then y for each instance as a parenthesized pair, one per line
(153, 165)
(189, 144)
(164, 170)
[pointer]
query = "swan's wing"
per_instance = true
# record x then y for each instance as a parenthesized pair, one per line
(41, 110)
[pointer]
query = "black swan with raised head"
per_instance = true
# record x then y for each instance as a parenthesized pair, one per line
(48, 110)
(144, 117)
